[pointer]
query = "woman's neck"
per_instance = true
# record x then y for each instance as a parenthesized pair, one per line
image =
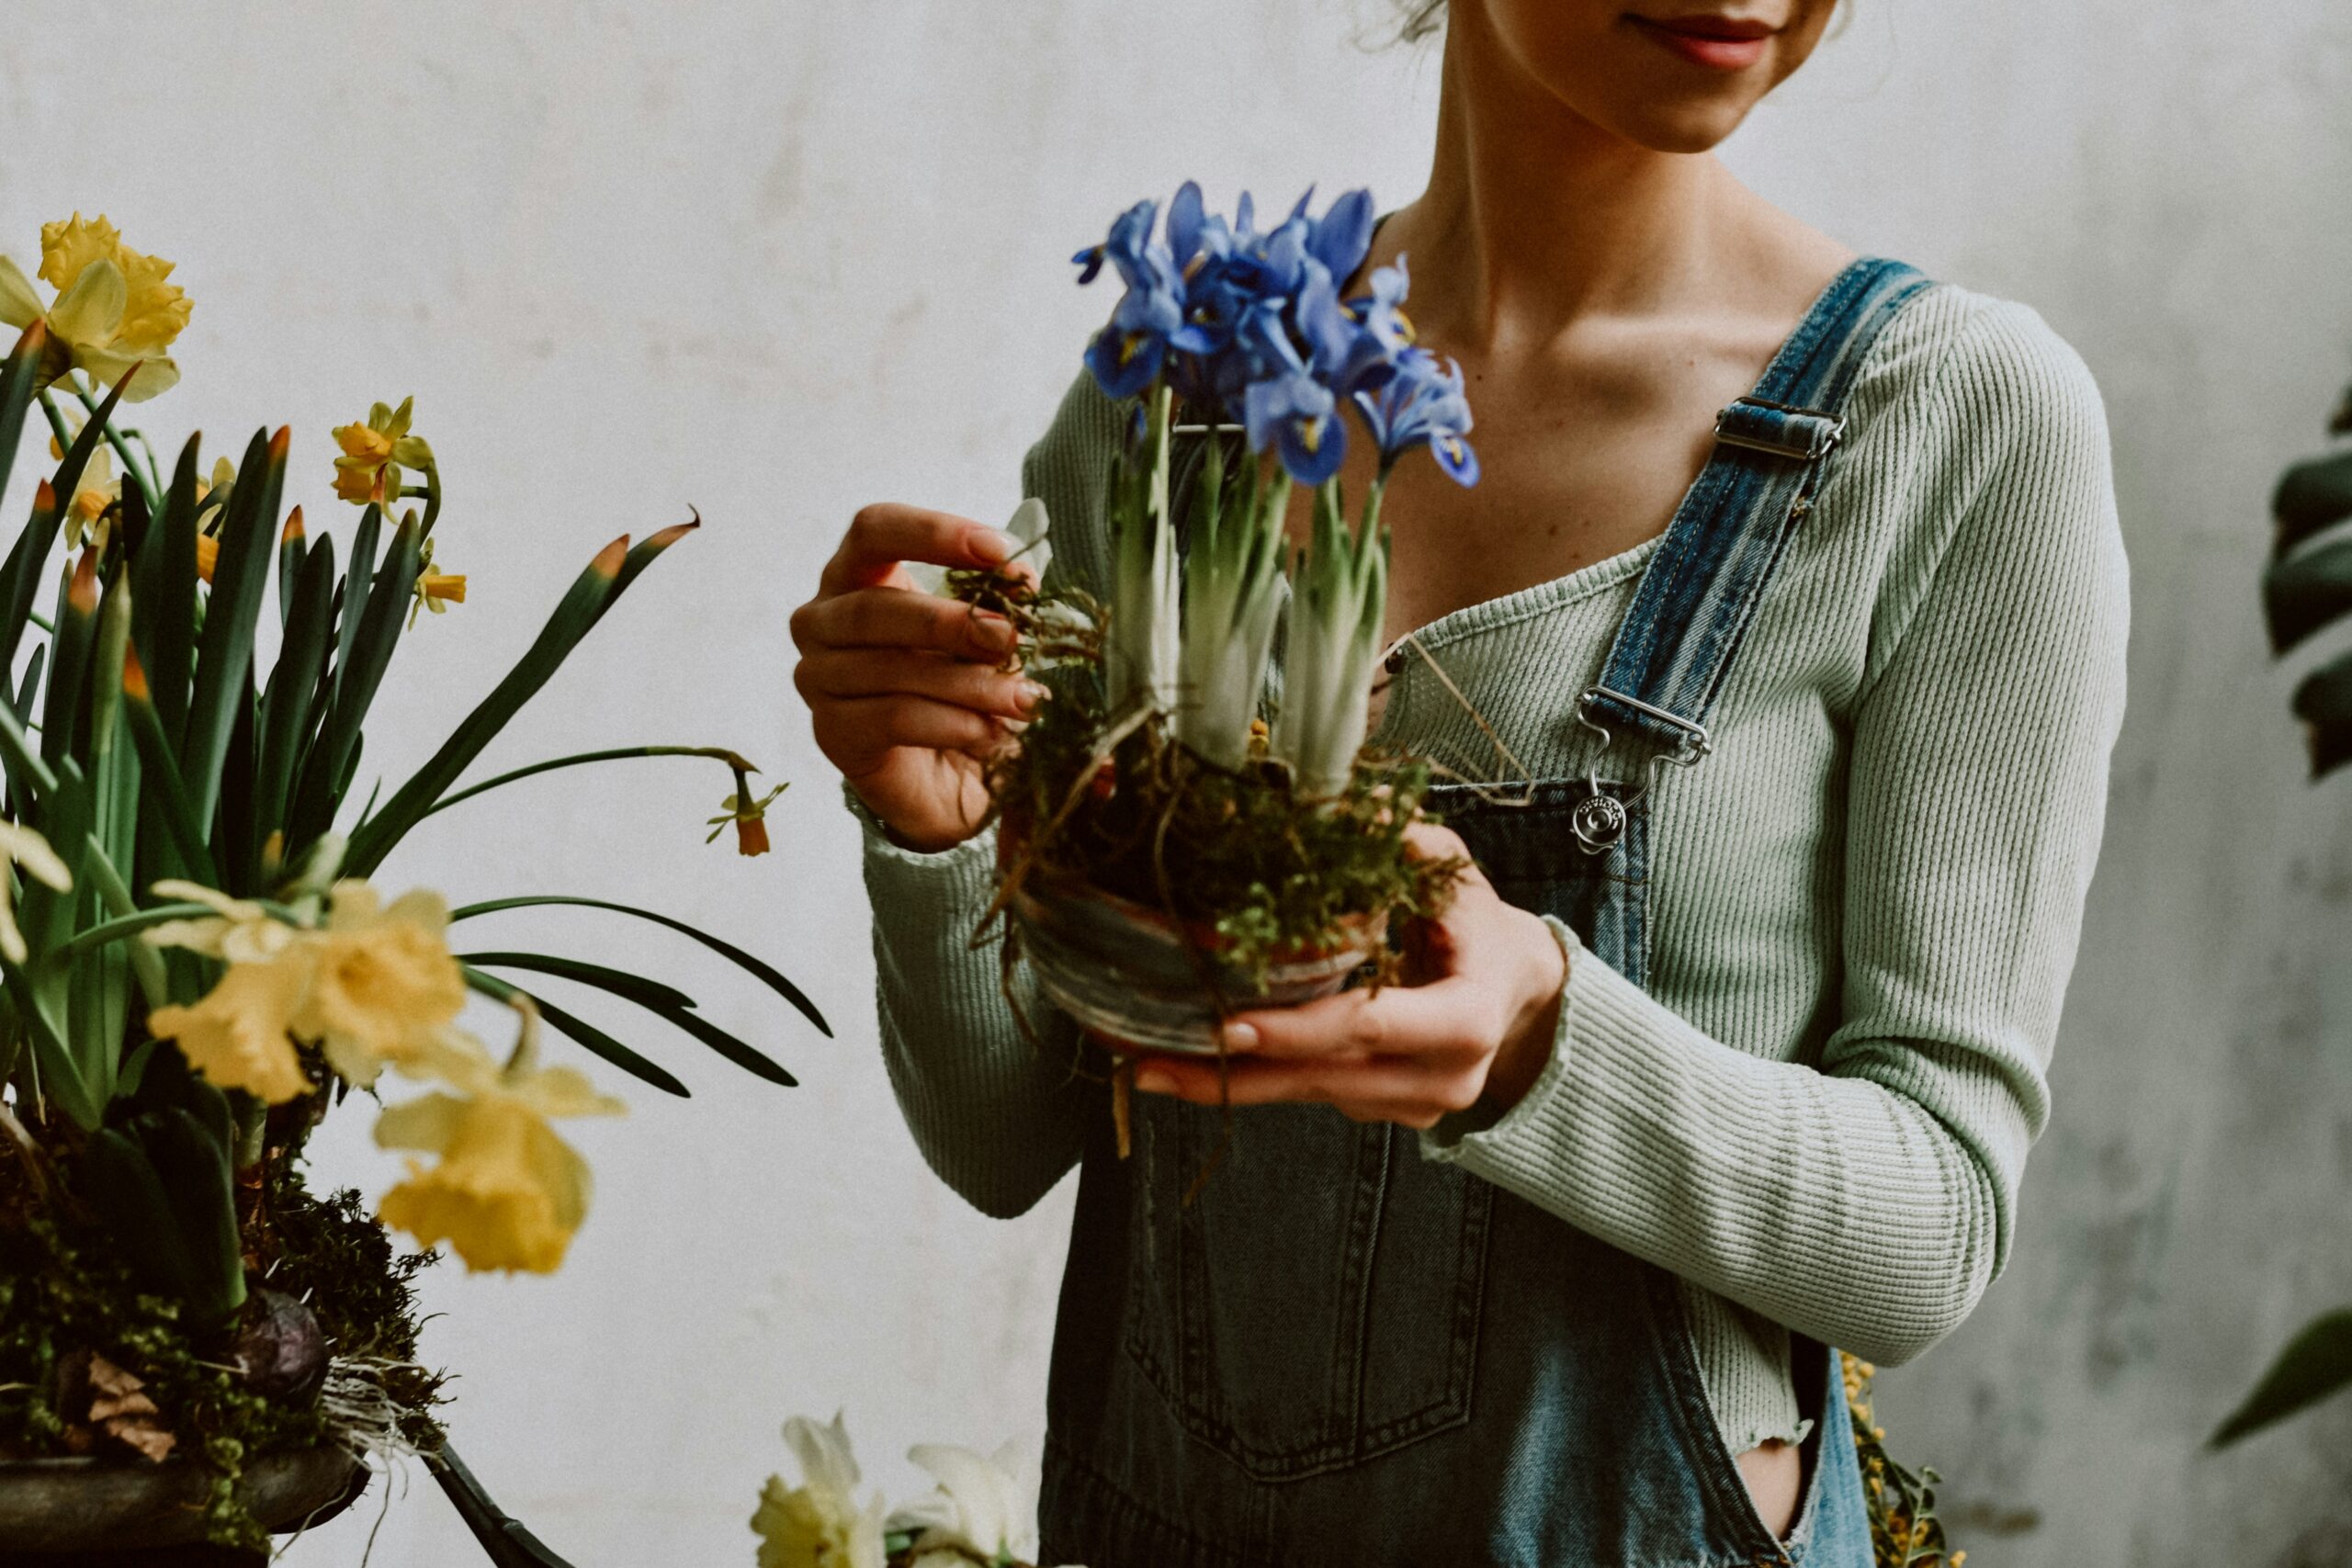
(1534, 216)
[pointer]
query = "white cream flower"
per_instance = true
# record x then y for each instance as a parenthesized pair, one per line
(819, 1523)
(984, 1507)
(31, 852)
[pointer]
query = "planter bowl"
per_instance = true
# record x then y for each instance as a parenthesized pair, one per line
(103, 1505)
(1125, 972)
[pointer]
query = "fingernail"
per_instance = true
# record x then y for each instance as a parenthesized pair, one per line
(1154, 1080)
(1028, 695)
(994, 633)
(1239, 1037)
(992, 544)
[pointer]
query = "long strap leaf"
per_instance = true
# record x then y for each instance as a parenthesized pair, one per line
(163, 583)
(165, 792)
(225, 651)
(665, 1003)
(17, 393)
(765, 974)
(639, 989)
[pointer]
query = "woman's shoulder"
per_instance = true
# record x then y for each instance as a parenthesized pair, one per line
(1964, 374)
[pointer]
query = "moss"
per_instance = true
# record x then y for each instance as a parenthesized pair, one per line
(64, 1295)
(1238, 856)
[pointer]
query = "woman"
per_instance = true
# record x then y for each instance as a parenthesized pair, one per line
(1535, 1262)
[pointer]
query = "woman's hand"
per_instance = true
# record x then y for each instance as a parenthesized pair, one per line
(910, 693)
(1475, 1023)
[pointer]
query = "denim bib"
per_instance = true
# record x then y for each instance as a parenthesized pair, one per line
(1340, 1353)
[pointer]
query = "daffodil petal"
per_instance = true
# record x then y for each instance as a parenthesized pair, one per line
(91, 308)
(30, 850)
(108, 366)
(565, 1091)
(19, 306)
(427, 1124)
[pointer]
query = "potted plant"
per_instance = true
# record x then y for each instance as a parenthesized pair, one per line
(1169, 856)
(195, 968)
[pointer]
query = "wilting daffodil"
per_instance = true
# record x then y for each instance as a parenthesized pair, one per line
(507, 1193)
(30, 851)
(748, 816)
(113, 309)
(434, 591)
(374, 453)
(819, 1523)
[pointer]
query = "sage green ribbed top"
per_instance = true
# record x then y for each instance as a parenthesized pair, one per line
(1864, 905)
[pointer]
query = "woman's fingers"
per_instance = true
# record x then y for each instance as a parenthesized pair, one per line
(1443, 1016)
(830, 674)
(869, 725)
(881, 537)
(899, 618)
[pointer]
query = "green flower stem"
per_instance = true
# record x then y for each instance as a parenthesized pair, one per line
(731, 759)
(121, 448)
(146, 963)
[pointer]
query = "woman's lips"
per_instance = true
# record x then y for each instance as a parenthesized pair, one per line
(1719, 43)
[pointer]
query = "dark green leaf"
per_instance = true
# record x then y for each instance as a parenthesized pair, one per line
(225, 650)
(2312, 496)
(765, 974)
(164, 601)
(665, 1003)
(302, 660)
(2315, 1363)
(638, 989)
(2307, 591)
(327, 769)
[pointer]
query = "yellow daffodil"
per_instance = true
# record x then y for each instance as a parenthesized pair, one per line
(208, 556)
(211, 494)
(113, 309)
(507, 1194)
(29, 851)
(435, 591)
(385, 985)
(748, 816)
(239, 1035)
(376, 984)
(818, 1524)
(374, 452)
(88, 516)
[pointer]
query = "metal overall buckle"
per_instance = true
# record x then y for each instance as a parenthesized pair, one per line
(1599, 820)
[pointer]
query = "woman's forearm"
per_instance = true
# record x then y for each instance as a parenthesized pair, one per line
(999, 1117)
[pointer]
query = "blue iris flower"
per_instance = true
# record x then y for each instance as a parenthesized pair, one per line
(1421, 404)
(1250, 327)
(1126, 354)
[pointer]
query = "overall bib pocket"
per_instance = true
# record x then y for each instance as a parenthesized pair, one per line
(1317, 1302)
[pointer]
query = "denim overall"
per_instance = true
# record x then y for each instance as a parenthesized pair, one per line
(1342, 1353)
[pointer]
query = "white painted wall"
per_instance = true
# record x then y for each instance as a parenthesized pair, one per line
(773, 258)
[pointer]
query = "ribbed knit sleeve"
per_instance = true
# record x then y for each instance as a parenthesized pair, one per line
(1865, 1196)
(999, 1116)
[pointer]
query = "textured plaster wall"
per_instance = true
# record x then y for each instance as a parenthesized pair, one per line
(773, 258)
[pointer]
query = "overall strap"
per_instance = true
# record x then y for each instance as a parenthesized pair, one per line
(1678, 641)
